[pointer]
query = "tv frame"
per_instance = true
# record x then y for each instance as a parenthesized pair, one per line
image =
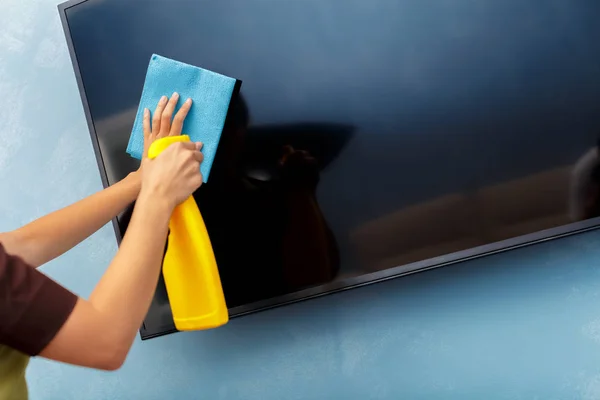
(345, 283)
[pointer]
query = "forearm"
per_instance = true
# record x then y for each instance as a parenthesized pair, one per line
(100, 330)
(52, 235)
(125, 291)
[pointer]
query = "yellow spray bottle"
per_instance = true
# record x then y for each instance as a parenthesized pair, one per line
(189, 268)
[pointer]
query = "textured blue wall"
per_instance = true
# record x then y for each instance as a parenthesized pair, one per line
(520, 325)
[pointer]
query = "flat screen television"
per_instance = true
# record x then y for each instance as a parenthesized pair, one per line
(371, 139)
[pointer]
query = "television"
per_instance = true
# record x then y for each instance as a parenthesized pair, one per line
(370, 140)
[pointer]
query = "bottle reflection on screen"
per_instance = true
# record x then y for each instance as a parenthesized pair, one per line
(269, 236)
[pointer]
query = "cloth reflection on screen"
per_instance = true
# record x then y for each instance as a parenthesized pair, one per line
(269, 235)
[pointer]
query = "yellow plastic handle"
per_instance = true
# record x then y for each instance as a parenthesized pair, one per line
(189, 268)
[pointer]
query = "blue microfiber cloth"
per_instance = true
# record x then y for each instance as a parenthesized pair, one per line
(210, 92)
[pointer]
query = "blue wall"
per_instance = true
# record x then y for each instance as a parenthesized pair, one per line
(520, 325)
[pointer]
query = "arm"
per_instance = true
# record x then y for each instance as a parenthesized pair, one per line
(310, 254)
(309, 250)
(44, 318)
(48, 237)
(52, 235)
(100, 331)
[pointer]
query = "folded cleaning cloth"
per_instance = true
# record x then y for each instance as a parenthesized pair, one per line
(210, 92)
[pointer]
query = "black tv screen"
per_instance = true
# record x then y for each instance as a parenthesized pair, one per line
(371, 139)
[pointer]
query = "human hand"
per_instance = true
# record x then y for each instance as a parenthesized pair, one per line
(175, 174)
(299, 169)
(161, 125)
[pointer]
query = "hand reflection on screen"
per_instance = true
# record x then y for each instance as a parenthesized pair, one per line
(584, 201)
(269, 236)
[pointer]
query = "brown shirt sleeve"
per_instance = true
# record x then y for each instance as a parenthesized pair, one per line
(33, 307)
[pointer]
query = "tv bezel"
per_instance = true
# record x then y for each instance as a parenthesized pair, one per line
(344, 283)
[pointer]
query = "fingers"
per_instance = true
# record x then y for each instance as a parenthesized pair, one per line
(188, 145)
(199, 146)
(158, 114)
(287, 151)
(179, 118)
(193, 148)
(146, 123)
(198, 156)
(167, 114)
(197, 181)
(161, 121)
(147, 133)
